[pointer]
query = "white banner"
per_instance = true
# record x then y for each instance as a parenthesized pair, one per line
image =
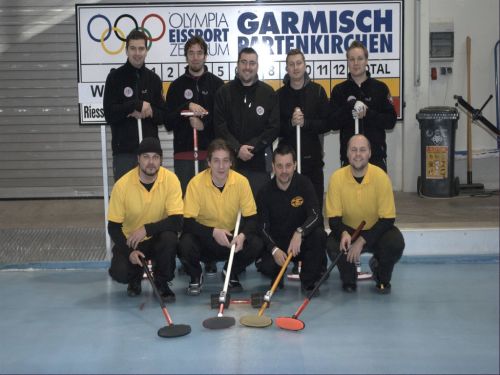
(321, 30)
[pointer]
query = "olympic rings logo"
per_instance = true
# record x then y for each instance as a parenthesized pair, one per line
(119, 32)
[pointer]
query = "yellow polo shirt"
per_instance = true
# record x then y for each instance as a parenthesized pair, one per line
(213, 208)
(354, 202)
(133, 206)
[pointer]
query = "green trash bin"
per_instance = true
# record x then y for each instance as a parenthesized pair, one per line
(438, 126)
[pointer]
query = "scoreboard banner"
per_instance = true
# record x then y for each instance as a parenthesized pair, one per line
(322, 30)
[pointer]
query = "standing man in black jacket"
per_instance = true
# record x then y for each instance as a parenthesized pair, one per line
(304, 103)
(193, 91)
(369, 100)
(246, 115)
(132, 92)
(290, 221)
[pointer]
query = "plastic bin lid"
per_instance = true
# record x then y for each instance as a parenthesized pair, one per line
(434, 113)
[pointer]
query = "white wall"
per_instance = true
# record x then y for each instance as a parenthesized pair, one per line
(480, 21)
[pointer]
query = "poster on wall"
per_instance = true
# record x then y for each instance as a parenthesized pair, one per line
(322, 30)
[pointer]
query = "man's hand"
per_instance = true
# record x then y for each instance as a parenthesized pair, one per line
(198, 110)
(135, 114)
(297, 117)
(345, 241)
(359, 110)
(196, 123)
(220, 236)
(245, 152)
(279, 256)
(136, 257)
(239, 240)
(295, 242)
(355, 251)
(137, 236)
(146, 111)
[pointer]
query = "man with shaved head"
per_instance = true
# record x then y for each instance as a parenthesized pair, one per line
(362, 191)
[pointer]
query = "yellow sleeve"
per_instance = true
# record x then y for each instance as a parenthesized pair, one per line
(116, 211)
(333, 201)
(386, 206)
(174, 203)
(191, 202)
(247, 201)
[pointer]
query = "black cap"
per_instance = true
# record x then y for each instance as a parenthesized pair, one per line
(150, 145)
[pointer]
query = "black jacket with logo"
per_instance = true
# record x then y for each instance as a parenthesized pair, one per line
(184, 90)
(126, 89)
(282, 212)
(381, 115)
(247, 115)
(313, 102)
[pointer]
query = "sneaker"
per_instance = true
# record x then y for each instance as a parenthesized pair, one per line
(211, 268)
(134, 288)
(349, 288)
(308, 289)
(194, 288)
(234, 282)
(382, 288)
(167, 295)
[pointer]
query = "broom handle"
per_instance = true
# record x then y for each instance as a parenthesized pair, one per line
(469, 116)
(230, 264)
(276, 282)
(325, 275)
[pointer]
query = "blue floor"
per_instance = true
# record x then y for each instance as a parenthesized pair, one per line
(440, 318)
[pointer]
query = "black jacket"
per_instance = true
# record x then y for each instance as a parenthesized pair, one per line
(380, 116)
(184, 90)
(282, 212)
(126, 89)
(313, 102)
(247, 115)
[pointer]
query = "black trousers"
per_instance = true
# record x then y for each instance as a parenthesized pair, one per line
(387, 251)
(316, 175)
(192, 250)
(161, 249)
(312, 255)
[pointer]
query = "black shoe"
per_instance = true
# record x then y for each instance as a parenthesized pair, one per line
(307, 289)
(211, 268)
(134, 288)
(373, 263)
(382, 288)
(167, 295)
(349, 288)
(234, 282)
(194, 288)
(295, 268)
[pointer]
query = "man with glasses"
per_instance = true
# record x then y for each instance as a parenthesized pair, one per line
(144, 219)
(132, 92)
(246, 115)
(367, 99)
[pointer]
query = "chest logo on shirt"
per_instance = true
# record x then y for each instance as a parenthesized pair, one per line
(188, 94)
(128, 92)
(259, 110)
(297, 201)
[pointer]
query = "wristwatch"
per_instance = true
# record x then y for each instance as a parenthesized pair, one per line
(300, 231)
